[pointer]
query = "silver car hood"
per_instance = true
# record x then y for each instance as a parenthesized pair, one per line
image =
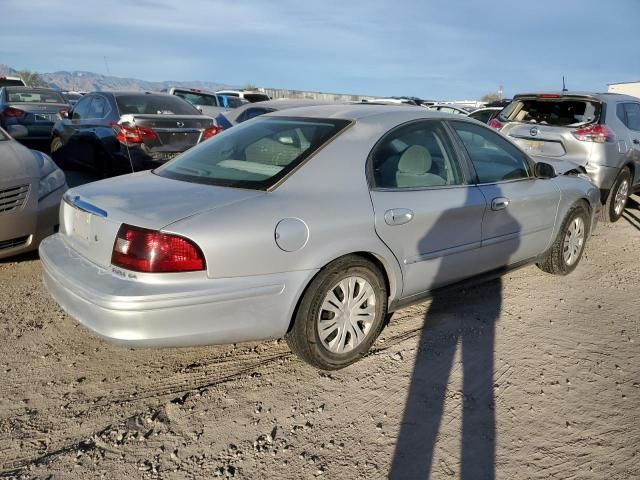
(150, 201)
(17, 163)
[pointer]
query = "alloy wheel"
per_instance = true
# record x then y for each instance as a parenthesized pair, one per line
(573, 241)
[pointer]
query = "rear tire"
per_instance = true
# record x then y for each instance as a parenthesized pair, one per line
(340, 315)
(617, 198)
(565, 253)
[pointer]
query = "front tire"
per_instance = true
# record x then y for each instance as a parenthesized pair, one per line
(340, 315)
(57, 152)
(565, 253)
(617, 198)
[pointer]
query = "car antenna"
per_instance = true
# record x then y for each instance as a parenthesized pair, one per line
(564, 87)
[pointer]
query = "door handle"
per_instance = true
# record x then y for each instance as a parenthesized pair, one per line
(636, 141)
(398, 216)
(499, 203)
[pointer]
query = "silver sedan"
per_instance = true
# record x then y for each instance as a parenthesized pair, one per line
(31, 188)
(312, 223)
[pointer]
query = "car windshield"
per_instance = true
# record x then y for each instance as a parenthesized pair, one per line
(154, 105)
(197, 98)
(565, 112)
(34, 96)
(256, 154)
(11, 82)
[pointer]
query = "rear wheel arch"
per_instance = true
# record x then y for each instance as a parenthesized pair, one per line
(383, 269)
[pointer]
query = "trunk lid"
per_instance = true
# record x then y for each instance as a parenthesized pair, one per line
(39, 112)
(92, 214)
(173, 133)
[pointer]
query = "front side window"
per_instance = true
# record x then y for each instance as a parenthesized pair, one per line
(417, 155)
(494, 158)
(98, 108)
(253, 155)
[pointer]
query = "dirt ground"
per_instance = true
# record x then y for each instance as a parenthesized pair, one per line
(532, 377)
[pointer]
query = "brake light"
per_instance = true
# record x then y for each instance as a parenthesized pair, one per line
(595, 133)
(150, 251)
(132, 135)
(211, 131)
(549, 95)
(13, 112)
(496, 124)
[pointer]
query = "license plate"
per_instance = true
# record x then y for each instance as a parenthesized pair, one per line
(82, 225)
(43, 117)
(535, 145)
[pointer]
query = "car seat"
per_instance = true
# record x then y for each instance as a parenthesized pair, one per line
(414, 169)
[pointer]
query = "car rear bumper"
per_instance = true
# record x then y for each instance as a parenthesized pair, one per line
(46, 224)
(195, 311)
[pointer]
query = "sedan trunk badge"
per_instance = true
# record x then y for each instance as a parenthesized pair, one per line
(533, 132)
(180, 124)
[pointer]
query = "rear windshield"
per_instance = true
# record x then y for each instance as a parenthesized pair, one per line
(255, 155)
(256, 97)
(195, 98)
(565, 112)
(11, 82)
(34, 96)
(154, 105)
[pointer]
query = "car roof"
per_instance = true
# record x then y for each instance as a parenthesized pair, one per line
(23, 88)
(598, 95)
(360, 111)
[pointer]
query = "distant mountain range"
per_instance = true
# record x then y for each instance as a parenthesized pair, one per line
(89, 82)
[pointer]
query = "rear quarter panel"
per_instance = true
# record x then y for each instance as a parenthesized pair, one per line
(329, 193)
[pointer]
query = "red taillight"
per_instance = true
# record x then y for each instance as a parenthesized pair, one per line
(131, 135)
(595, 133)
(495, 123)
(211, 131)
(549, 95)
(151, 251)
(13, 112)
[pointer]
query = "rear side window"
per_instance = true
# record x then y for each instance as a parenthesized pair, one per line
(631, 116)
(493, 157)
(81, 110)
(253, 155)
(34, 96)
(417, 155)
(146, 104)
(562, 112)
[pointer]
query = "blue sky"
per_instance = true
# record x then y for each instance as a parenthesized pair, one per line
(445, 49)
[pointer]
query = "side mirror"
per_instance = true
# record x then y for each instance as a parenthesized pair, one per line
(544, 170)
(64, 113)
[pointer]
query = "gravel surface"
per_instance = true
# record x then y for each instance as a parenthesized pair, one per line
(531, 377)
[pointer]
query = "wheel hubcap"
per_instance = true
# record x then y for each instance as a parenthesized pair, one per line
(573, 241)
(621, 197)
(346, 315)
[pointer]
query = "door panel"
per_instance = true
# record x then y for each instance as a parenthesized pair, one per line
(441, 241)
(522, 229)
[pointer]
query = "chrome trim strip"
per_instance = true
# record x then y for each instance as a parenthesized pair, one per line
(442, 253)
(85, 206)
